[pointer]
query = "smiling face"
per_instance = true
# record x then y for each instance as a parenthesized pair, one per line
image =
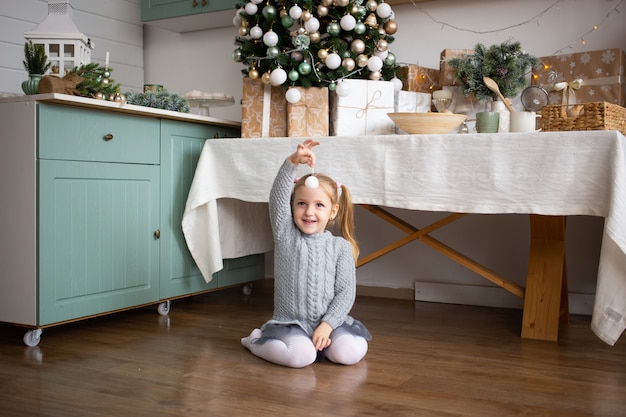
(312, 209)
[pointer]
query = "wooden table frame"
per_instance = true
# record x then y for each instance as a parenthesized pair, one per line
(545, 295)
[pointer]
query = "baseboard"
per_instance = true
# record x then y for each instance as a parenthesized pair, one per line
(384, 292)
(489, 296)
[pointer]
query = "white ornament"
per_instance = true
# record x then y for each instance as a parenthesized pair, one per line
(256, 32)
(383, 10)
(312, 25)
(295, 12)
(293, 95)
(256, 1)
(343, 89)
(312, 182)
(397, 83)
(347, 22)
(333, 61)
(251, 9)
(278, 77)
(374, 63)
(270, 38)
(237, 17)
(382, 54)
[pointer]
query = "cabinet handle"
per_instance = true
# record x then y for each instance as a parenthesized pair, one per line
(203, 2)
(194, 3)
(157, 234)
(108, 136)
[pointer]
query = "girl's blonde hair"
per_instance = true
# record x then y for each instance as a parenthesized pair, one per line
(339, 194)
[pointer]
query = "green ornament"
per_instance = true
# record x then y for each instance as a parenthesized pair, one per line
(390, 60)
(286, 21)
(238, 55)
(332, 86)
(333, 29)
(304, 68)
(293, 75)
(360, 28)
(269, 12)
(273, 51)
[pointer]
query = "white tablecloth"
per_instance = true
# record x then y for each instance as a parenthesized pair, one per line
(550, 173)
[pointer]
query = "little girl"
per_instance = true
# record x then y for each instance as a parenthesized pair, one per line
(314, 272)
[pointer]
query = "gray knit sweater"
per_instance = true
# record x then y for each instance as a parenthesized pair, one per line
(314, 275)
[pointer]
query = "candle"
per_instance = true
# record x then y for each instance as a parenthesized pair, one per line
(106, 62)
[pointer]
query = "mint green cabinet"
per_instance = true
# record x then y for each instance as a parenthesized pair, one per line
(165, 9)
(93, 200)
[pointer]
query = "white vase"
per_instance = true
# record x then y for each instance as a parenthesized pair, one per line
(505, 115)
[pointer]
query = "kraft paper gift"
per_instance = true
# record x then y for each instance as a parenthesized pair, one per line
(447, 75)
(263, 110)
(418, 79)
(584, 77)
(363, 112)
(311, 115)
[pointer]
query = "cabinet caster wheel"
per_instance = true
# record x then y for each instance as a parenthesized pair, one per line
(32, 337)
(247, 289)
(164, 308)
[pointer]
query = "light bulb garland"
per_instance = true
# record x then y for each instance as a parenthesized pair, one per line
(316, 43)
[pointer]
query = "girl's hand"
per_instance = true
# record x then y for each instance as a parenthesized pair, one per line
(321, 336)
(304, 153)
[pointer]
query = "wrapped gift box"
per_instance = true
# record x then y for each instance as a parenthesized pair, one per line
(263, 110)
(410, 101)
(447, 75)
(594, 76)
(311, 115)
(364, 110)
(418, 79)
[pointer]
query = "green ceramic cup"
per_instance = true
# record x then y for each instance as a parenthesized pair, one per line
(487, 122)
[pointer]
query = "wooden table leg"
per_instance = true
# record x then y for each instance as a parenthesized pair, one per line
(545, 301)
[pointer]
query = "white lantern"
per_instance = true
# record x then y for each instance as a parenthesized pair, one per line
(64, 45)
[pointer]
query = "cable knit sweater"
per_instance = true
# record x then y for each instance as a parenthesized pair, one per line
(314, 275)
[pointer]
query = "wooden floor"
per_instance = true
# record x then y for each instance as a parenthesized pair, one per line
(425, 360)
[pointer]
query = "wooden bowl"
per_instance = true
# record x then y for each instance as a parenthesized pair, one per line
(427, 123)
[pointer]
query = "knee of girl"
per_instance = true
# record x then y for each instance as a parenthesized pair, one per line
(301, 358)
(346, 351)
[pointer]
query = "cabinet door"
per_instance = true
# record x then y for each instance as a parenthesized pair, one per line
(181, 144)
(97, 246)
(165, 9)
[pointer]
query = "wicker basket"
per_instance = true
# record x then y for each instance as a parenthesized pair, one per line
(584, 116)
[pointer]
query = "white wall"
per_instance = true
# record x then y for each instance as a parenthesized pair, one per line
(202, 60)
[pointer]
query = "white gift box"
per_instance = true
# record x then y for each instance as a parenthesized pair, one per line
(364, 110)
(411, 101)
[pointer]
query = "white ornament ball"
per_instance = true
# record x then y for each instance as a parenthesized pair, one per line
(237, 18)
(295, 12)
(312, 25)
(270, 38)
(278, 77)
(251, 9)
(343, 89)
(383, 10)
(312, 182)
(382, 54)
(347, 22)
(256, 32)
(293, 95)
(397, 83)
(333, 61)
(374, 63)
(256, 1)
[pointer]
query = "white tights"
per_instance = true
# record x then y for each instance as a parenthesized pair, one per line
(298, 351)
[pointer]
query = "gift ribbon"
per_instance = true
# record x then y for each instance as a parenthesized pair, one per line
(369, 105)
(569, 88)
(267, 100)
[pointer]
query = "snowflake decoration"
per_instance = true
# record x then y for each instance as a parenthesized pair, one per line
(585, 58)
(608, 56)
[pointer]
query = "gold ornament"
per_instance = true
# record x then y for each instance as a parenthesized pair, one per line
(265, 78)
(322, 54)
(375, 75)
(391, 27)
(306, 15)
(372, 5)
(283, 13)
(322, 11)
(348, 64)
(361, 60)
(371, 21)
(254, 74)
(243, 31)
(326, 3)
(315, 37)
(357, 46)
(343, 3)
(382, 45)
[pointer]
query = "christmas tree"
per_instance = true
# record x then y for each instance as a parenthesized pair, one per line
(315, 43)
